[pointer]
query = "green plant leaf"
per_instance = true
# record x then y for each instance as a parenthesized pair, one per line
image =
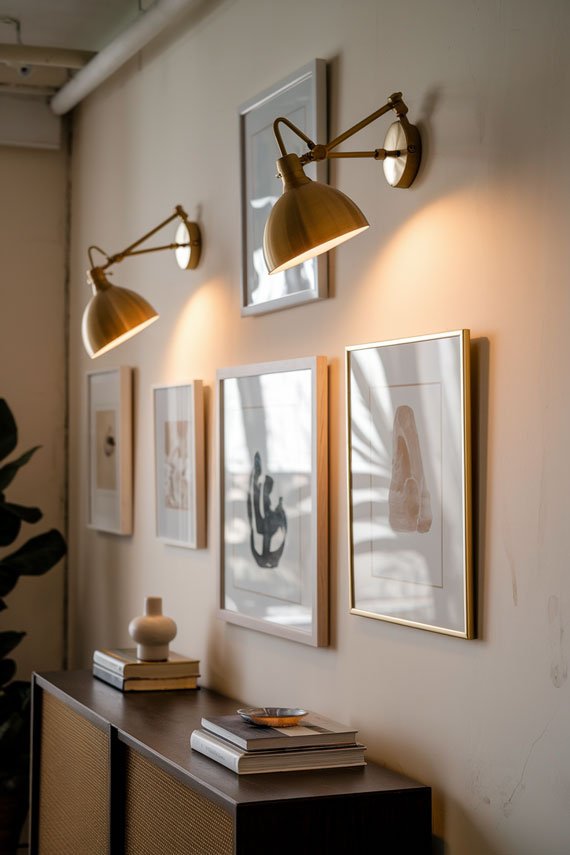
(10, 526)
(8, 430)
(9, 640)
(29, 515)
(35, 557)
(7, 671)
(14, 729)
(9, 470)
(11, 517)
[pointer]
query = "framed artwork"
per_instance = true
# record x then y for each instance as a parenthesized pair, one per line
(273, 498)
(179, 464)
(109, 407)
(301, 97)
(409, 476)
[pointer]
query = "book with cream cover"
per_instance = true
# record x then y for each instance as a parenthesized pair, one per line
(123, 661)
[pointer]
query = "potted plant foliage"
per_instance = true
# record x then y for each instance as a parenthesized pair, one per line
(35, 557)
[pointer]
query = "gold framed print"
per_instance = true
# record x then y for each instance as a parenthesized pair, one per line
(272, 433)
(409, 481)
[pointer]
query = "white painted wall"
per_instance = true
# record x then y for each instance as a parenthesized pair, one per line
(479, 242)
(32, 378)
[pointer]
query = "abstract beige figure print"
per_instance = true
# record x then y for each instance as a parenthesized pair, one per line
(409, 501)
(176, 465)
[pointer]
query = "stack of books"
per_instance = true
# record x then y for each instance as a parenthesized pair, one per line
(120, 668)
(317, 743)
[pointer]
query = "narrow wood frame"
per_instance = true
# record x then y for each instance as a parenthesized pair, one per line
(195, 516)
(306, 621)
(393, 573)
(111, 509)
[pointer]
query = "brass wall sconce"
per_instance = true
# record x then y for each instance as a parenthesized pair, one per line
(310, 218)
(114, 314)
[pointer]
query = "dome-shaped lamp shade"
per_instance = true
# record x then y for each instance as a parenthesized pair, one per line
(113, 315)
(308, 219)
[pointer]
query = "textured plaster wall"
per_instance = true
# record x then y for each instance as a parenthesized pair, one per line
(32, 378)
(479, 242)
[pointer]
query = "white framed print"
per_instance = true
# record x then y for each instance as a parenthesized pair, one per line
(301, 97)
(110, 414)
(272, 435)
(409, 477)
(179, 464)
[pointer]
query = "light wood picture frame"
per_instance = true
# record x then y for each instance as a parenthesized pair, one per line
(178, 412)
(302, 98)
(409, 482)
(110, 450)
(273, 483)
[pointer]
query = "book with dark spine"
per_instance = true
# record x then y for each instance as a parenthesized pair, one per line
(314, 730)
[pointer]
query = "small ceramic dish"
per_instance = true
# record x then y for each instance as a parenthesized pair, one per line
(273, 716)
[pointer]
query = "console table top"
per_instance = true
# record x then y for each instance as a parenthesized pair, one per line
(159, 724)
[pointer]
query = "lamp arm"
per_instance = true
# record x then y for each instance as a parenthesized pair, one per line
(131, 250)
(321, 152)
(98, 248)
(294, 128)
(394, 102)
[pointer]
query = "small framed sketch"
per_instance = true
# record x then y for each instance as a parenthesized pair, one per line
(409, 468)
(179, 464)
(109, 407)
(273, 498)
(301, 97)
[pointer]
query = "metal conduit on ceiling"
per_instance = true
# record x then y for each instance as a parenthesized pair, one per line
(115, 54)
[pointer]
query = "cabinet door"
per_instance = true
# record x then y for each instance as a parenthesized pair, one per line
(163, 817)
(73, 809)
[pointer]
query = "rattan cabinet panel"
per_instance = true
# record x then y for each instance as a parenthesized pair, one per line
(74, 783)
(164, 817)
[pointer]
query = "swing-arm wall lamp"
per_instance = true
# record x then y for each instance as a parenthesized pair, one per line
(311, 218)
(114, 314)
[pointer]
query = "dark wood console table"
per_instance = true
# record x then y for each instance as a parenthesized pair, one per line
(114, 773)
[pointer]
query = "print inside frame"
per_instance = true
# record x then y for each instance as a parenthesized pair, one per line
(109, 408)
(409, 478)
(272, 435)
(179, 464)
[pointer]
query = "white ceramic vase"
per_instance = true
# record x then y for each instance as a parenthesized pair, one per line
(152, 631)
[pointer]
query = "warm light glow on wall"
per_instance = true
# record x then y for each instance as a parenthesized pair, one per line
(444, 263)
(203, 321)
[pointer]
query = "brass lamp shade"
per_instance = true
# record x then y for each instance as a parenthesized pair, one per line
(308, 219)
(112, 315)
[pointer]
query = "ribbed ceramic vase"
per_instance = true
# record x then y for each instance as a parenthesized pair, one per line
(152, 631)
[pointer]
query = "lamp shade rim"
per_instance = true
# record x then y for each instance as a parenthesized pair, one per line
(112, 316)
(306, 221)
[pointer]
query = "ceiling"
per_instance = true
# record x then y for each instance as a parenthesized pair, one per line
(45, 44)
(87, 25)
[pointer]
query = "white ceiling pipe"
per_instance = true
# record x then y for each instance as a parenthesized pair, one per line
(45, 56)
(112, 57)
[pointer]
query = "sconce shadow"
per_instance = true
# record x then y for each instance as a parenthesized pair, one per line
(424, 125)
